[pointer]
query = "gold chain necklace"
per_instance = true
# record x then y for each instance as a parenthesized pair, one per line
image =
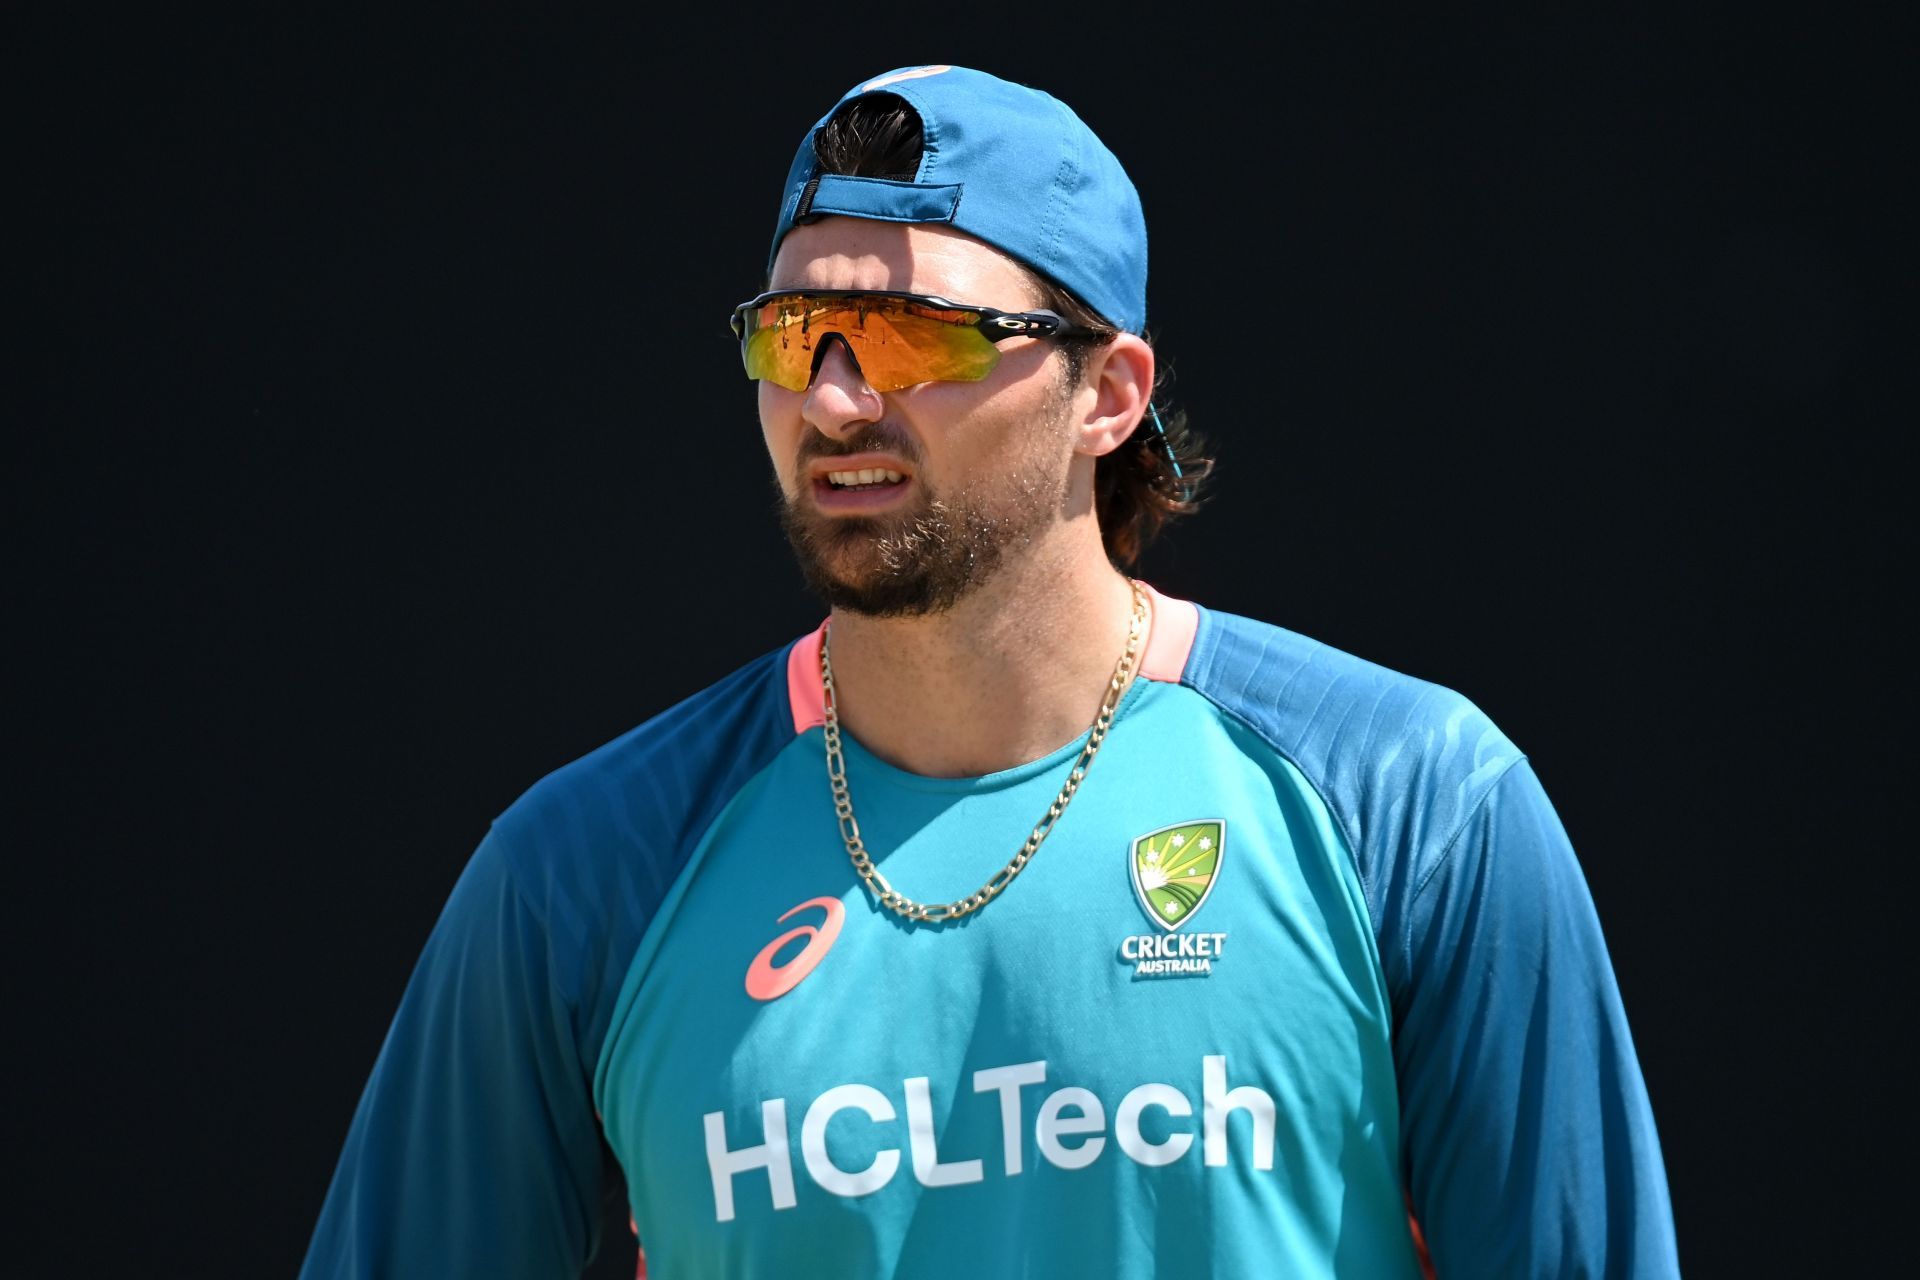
(900, 903)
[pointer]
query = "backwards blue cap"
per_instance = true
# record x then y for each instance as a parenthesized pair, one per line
(1010, 165)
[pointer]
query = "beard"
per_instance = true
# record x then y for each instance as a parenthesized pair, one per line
(931, 554)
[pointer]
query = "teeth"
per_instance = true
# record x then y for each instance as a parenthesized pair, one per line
(866, 475)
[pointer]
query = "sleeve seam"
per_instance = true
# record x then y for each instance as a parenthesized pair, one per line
(520, 894)
(1446, 855)
(1333, 811)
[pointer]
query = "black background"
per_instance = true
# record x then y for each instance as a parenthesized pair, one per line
(386, 449)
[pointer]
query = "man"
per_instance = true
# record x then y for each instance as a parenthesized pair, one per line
(1021, 920)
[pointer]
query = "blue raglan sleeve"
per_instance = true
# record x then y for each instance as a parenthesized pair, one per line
(475, 1151)
(1529, 1141)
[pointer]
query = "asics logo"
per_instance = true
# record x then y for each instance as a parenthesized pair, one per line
(768, 981)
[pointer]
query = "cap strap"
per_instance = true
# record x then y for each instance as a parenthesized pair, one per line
(880, 198)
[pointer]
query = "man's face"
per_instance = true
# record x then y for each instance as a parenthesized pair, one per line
(982, 465)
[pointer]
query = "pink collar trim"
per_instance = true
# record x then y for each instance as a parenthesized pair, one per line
(804, 691)
(1170, 642)
(1169, 645)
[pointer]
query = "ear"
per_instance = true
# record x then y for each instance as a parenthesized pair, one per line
(1113, 394)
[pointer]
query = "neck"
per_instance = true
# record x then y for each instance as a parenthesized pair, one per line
(1014, 671)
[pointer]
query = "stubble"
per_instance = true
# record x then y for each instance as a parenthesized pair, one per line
(928, 557)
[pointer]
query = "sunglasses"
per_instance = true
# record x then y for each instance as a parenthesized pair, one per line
(897, 339)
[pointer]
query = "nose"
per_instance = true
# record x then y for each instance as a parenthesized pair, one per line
(839, 398)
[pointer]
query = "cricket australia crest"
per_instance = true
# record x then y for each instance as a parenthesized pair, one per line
(1173, 871)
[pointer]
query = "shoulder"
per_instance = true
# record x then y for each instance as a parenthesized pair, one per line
(1400, 762)
(1327, 709)
(591, 850)
(632, 806)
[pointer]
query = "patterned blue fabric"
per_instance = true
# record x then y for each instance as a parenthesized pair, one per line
(475, 1151)
(1405, 994)
(783, 1136)
(1530, 1146)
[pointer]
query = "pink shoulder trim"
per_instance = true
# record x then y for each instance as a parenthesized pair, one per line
(1169, 643)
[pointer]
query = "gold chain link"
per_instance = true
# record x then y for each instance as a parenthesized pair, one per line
(900, 903)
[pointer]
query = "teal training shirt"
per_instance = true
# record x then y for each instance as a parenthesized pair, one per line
(1308, 950)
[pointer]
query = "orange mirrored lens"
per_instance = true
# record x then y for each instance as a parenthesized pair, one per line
(896, 343)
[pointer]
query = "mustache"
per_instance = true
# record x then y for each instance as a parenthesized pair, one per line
(871, 437)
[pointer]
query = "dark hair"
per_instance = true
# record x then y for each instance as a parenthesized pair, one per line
(1136, 493)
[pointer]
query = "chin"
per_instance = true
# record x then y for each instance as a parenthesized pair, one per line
(903, 564)
(873, 590)
(870, 577)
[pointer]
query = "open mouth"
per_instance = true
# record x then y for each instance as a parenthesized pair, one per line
(861, 484)
(865, 479)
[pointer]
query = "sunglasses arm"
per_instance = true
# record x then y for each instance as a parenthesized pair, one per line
(1029, 324)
